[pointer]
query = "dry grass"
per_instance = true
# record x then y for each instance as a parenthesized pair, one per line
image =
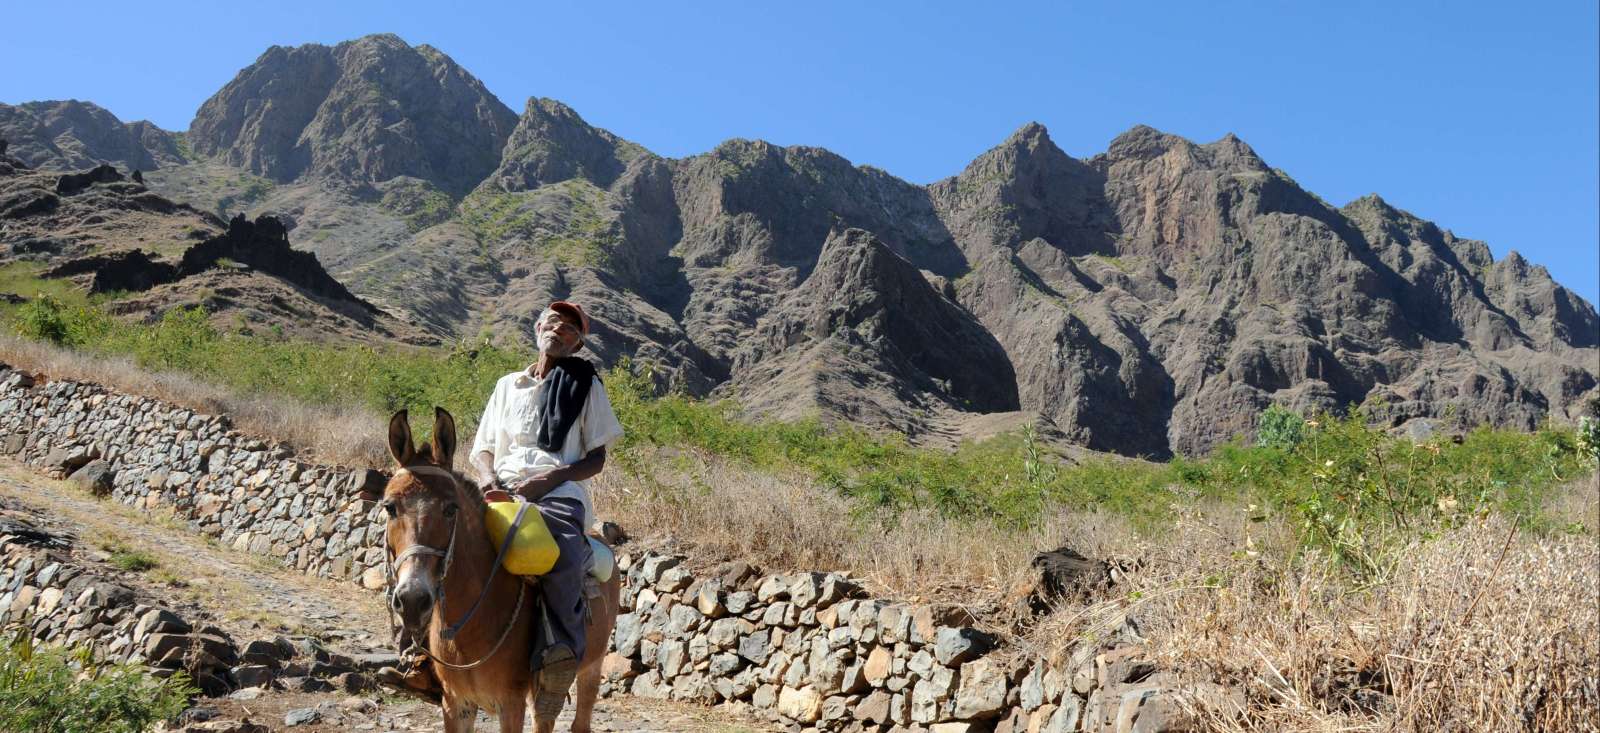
(713, 510)
(1480, 629)
(349, 435)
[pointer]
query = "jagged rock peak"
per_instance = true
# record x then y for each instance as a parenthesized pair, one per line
(1032, 133)
(1142, 142)
(552, 143)
(364, 111)
(1028, 147)
(857, 258)
(869, 324)
(1231, 152)
(1372, 202)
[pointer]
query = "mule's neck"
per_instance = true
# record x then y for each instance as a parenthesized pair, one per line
(470, 568)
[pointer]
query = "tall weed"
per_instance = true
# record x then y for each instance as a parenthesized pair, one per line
(46, 690)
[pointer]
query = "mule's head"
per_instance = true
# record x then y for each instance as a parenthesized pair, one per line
(421, 502)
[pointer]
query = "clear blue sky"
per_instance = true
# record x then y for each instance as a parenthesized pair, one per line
(1484, 117)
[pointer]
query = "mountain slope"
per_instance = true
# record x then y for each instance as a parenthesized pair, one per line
(1149, 300)
(66, 135)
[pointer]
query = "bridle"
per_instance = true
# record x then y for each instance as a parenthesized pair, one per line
(392, 565)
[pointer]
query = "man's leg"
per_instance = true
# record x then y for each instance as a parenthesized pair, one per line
(559, 627)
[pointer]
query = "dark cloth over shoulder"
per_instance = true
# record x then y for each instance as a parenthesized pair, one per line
(566, 388)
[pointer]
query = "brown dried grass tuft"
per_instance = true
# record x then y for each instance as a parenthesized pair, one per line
(714, 510)
(347, 434)
(1482, 628)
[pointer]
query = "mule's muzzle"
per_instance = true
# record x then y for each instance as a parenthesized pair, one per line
(413, 603)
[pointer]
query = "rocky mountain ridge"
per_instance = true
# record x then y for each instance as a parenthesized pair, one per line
(1151, 299)
(147, 254)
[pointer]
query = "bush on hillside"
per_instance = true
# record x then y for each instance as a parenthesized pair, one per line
(47, 319)
(1279, 428)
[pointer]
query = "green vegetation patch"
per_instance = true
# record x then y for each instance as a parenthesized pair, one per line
(563, 222)
(45, 690)
(1344, 486)
(23, 278)
(418, 202)
(241, 192)
(133, 561)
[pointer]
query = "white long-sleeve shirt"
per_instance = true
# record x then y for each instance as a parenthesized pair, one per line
(510, 425)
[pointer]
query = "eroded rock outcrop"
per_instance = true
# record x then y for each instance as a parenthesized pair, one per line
(363, 111)
(867, 338)
(264, 245)
(67, 135)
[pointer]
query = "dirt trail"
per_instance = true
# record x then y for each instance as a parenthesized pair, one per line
(253, 597)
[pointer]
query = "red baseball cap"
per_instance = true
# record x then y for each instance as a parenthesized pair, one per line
(572, 309)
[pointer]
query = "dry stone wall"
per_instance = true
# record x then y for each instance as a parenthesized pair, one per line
(810, 650)
(251, 494)
(64, 598)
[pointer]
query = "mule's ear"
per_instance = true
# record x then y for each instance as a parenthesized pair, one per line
(444, 437)
(400, 445)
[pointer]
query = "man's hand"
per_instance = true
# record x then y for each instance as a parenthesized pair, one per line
(496, 496)
(535, 487)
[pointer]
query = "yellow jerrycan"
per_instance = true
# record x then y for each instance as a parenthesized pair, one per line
(533, 551)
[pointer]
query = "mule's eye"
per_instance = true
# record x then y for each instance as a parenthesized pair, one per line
(389, 508)
(450, 509)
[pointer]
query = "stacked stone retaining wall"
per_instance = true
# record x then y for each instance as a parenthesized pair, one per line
(807, 650)
(64, 596)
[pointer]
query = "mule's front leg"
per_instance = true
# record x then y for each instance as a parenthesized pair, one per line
(460, 715)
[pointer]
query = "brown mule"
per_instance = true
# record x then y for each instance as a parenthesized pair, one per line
(443, 580)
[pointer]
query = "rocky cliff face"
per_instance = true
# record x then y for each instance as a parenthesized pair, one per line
(363, 111)
(65, 135)
(1149, 300)
(866, 338)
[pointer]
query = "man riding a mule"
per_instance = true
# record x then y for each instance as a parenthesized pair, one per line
(543, 434)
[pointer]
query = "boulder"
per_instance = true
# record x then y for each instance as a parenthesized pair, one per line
(95, 476)
(954, 646)
(71, 183)
(68, 458)
(365, 483)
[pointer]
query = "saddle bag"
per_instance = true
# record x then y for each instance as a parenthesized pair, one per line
(533, 550)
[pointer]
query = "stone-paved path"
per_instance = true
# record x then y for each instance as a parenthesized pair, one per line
(253, 596)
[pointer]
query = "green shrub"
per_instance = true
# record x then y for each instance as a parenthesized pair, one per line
(1351, 489)
(48, 319)
(55, 691)
(1279, 428)
(1588, 440)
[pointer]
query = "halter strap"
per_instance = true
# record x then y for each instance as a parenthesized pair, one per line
(448, 554)
(413, 551)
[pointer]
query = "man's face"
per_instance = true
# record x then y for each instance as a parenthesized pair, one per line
(558, 334)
